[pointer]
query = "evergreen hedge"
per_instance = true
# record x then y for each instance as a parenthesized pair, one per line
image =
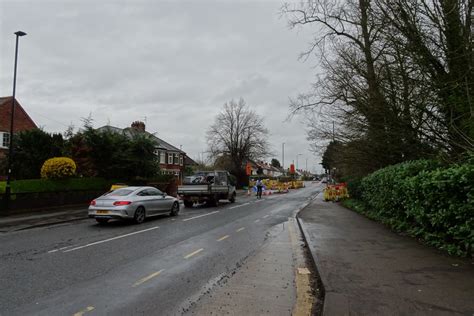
(424, 199)
(50, 185)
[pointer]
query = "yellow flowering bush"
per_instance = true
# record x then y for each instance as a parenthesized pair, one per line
(58, 167)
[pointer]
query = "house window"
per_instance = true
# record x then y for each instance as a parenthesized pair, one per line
(180, 160)
(4, 140)
(162, 157)
(170, 159)
(176, 159)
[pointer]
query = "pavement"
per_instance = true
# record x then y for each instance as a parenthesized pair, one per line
(271, 271)
(28, 220)
(366, 269)
(164, 266)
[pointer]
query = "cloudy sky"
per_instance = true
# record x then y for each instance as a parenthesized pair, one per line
(171, 63)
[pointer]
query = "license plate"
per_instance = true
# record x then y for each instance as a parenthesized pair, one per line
(102, 212)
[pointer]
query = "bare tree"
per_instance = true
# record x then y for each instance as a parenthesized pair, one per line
(238, 133)
(397, 78)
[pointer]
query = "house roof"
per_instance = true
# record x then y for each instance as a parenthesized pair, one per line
(129, 131)
(5, 108)
(189, 162)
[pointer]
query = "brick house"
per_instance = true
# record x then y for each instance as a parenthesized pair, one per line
(172, 160)
(21, 122)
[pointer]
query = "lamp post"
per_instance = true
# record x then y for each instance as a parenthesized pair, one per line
(297, 160)
(10, 145)
(283, 156)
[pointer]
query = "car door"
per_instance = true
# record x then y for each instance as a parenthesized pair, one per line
(158, 200)
(147, 201)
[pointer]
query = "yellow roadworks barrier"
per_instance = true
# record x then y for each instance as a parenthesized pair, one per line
(335, 192)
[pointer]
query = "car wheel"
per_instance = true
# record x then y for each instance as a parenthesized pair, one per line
(102, 220)
(232, 198)
(214, 201)
(188, 203)
(140, 215)
(174, 209)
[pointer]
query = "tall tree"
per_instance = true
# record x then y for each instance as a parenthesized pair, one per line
(239, 133)
(384, 84)
(32, 148)
(275, 163)
(113, 155)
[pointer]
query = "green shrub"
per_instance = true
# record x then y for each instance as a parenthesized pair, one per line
(58, 168)
(425, 199)
(440, 207)
(384, 191)
(354, 186)
(50, 185)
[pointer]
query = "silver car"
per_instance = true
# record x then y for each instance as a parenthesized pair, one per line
(133, 203)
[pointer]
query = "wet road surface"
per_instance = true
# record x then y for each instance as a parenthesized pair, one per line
(160, 267)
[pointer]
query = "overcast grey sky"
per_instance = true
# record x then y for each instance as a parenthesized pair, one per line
(174, 62)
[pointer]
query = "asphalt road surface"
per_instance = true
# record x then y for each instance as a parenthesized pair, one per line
(159, 267)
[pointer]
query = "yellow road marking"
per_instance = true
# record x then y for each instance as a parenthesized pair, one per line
(85, 310)
(193, 253)
(240, 229)
(151, 276)
(223, 237)
(304, 296)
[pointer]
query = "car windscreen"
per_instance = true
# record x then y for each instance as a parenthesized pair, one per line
(120, 192)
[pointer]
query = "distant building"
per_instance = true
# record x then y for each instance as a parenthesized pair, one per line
(21, 122)
(172, 159)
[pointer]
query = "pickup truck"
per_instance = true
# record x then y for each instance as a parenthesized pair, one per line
(207, 187)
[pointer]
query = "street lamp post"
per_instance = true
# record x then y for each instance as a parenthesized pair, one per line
(297, 160)
(10, 145)
(283, 156)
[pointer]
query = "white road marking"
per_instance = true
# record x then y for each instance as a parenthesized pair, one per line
(193, 253)
(85, 310)
(57, 249)
(223, 237)
(151, 276)
(257, 220)
(188, 219)
(240, 205)
(240, 229)
(110, 239)
(266, 216)
(258, 201)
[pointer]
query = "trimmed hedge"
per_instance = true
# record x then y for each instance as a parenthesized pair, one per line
(49, 185)
(426, 200)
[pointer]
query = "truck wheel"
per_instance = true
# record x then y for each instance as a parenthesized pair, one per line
(188, 203)
(232, 198)
(215, 200)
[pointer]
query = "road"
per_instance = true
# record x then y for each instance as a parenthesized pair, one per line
(159, 267)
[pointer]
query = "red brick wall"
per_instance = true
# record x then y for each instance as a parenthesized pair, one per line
(21, 122)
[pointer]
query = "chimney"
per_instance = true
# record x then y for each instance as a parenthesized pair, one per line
(138, 126)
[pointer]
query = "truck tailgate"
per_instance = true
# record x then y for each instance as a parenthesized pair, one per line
(219, 189)
(193, 189)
